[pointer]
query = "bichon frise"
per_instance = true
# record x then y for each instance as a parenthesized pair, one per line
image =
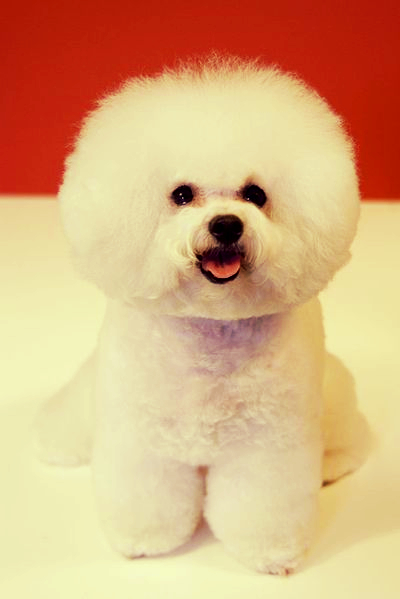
(211, 204)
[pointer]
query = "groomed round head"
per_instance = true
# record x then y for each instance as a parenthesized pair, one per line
(223, 189)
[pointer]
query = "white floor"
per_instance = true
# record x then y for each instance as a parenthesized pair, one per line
(51, 545)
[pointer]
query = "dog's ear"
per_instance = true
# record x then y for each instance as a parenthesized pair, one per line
(111, 201)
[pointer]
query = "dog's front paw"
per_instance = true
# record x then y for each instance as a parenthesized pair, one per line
(153, 541)
(148, 506)
(257, 555)
(264, 517)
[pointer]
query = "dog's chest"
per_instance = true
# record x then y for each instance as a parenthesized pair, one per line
(215, 348)
(207, 385)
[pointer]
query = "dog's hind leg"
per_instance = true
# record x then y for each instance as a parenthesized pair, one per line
(64, 426)
(347, 437)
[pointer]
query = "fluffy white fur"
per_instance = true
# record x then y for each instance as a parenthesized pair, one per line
(214, 397)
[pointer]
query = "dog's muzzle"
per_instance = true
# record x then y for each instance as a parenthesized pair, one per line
(222, 263)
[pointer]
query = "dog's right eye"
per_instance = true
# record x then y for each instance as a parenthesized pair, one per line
(182, 195)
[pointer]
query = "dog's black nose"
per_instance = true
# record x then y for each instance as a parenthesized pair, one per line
(226, 228)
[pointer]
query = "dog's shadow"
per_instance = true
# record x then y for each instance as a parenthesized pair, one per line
(202, 538)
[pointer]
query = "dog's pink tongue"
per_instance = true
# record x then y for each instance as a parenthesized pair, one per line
(224, 270)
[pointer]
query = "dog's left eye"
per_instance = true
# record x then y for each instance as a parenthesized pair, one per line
(182, 195)
(254, 194)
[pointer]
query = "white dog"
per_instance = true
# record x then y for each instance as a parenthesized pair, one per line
(211, 205)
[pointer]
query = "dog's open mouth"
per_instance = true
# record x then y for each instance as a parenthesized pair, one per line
(221, 264)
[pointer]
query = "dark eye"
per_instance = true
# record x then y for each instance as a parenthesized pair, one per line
(254, 194)
(182, 195)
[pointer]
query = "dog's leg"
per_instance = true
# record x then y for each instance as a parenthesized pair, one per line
(148, 505)
(262, 504)
(63, 429)
(347, 437)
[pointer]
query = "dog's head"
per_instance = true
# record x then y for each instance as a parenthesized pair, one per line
(224, 191)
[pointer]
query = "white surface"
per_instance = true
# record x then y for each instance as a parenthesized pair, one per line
(51, 545)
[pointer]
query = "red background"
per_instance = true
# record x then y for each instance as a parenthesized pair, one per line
(58, 56)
